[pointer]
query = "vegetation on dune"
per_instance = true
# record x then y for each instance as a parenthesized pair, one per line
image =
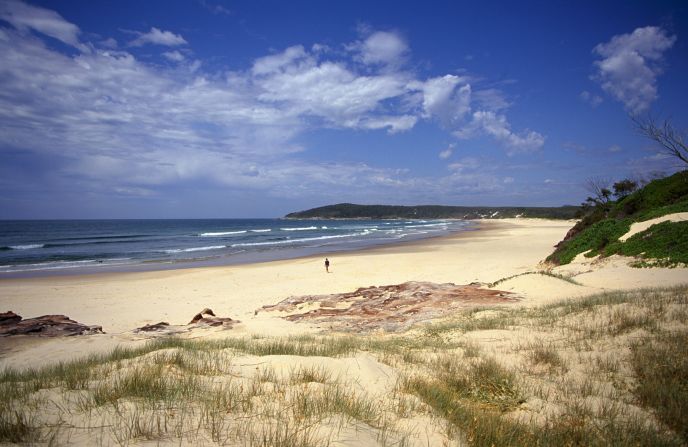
(353, 211)
(604, 370)
(605, 221)
(662, 373)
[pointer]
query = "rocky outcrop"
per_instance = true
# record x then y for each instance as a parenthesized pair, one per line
(44, 326)
(163, 325)
(391, 308)
(206, 317)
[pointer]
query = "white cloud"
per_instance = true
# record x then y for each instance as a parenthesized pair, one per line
(382, 47)
(393, 124)
(109, 43)
(116, 123)
(276, 62)
(328, 90)
(174, 56)
(491, 99)
(26, 17)
(630, 65)
(447, 152)
(158, 37)
(447, 97)
(498, 127)
(469, 114)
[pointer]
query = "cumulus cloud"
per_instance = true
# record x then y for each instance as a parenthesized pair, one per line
(329, 90)
(158, 37)
(26, 17)
(497, 126)
(109, 120)
(630, 64)
(469, 113)
(447, 97)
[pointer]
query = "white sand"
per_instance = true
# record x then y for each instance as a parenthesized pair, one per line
(642, 226)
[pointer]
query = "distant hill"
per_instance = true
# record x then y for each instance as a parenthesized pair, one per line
(663, 244)
(353, 211)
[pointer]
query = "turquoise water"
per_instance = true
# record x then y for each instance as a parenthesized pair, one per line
(78, 246)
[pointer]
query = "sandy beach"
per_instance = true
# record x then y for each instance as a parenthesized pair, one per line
(368, 383)
(121, 302)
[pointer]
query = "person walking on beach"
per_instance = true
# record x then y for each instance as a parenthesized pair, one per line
(327, 265)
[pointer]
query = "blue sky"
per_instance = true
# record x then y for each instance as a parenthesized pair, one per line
(163, 109)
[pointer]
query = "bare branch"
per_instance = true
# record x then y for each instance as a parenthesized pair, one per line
(599, 188)
(672, 141)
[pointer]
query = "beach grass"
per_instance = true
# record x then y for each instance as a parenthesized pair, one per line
(608, 369)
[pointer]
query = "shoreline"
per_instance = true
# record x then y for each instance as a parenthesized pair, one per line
(121, 302)
(235, 259)
(182, 266)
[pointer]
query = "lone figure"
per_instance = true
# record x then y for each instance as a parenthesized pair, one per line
(327, 265)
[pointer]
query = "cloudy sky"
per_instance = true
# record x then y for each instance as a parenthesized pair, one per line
(204, 108)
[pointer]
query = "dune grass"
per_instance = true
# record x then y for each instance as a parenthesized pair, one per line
(661, 366)
(609, 369)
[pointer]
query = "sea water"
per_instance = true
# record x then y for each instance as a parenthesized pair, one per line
(83, 246)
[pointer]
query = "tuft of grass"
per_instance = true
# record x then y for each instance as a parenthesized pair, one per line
(192, 392)
(546, 354)
(148, 382)
(17, 424)
(317, 374)
(622, 320)
(661, 365)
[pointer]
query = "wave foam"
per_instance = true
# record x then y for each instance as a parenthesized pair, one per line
(26, 247)
(261, 231)
(57, 265)
(187, 250)
(299, 229)
(291, 241)
(222, 233)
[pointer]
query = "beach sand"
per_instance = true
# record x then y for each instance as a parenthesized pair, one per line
(509, 251)
(121, 302)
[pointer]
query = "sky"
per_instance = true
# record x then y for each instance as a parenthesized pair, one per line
(210, 109)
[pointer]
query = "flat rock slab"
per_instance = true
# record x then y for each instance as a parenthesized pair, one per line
(44, 326)
(391, 308)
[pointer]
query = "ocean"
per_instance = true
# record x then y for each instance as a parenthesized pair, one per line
(48, 247)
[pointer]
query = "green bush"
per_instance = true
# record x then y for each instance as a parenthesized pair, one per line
(599, 231)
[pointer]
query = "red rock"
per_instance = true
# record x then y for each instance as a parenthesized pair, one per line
(393, 307)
